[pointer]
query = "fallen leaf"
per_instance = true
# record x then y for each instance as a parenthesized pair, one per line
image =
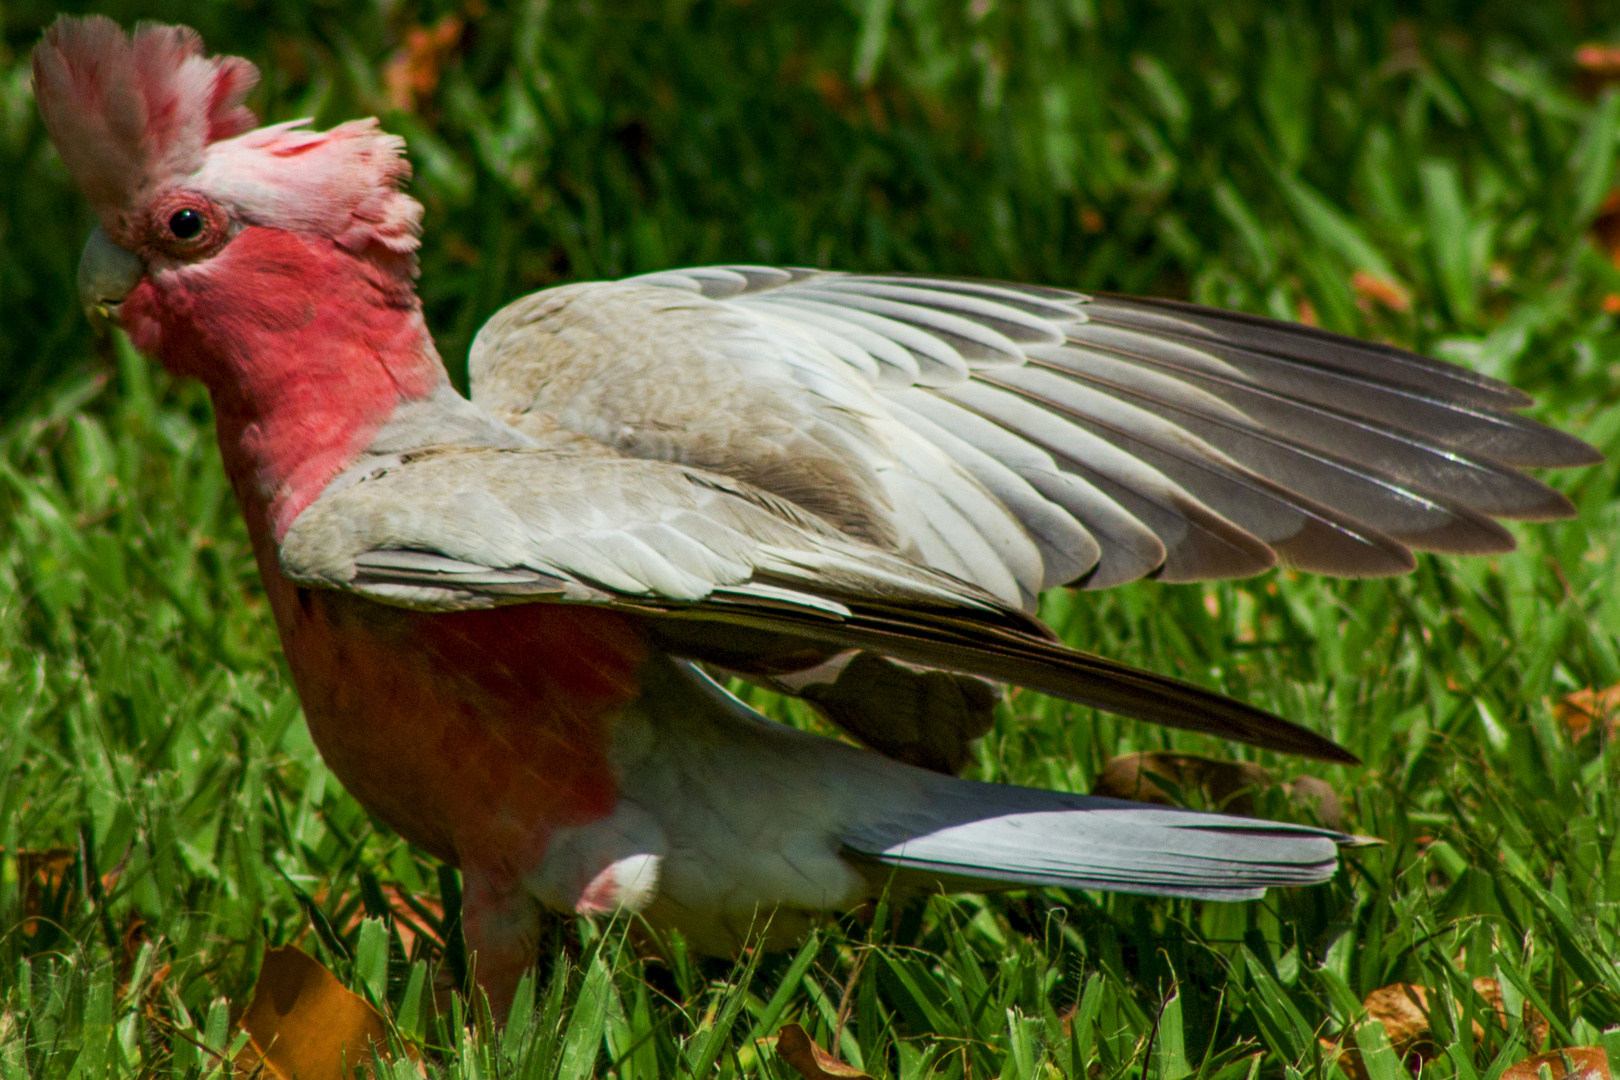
(46, 887)
(404, 913)
(50, 887)
(1606, 227)
(1372, 289)
(1155, 777)
(1535, 1025)
(1347, 1058)
(1585, 708)
(794, 1046)
(1403, 1009)
(1229, 786)
(1575, 1063)
(406, 921)
(833, 90)
(1314, 793)
(407, 926)
(305, 1024)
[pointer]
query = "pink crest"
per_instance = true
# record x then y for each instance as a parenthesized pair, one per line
(131, 113)
(342, 183)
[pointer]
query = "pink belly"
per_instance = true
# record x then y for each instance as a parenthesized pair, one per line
(473, 734)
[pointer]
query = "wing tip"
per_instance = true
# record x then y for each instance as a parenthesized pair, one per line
(1553, 506)
(1486, 390)
(1325, 546)
(1549, 448)
(1467, 533)
(1228, 551)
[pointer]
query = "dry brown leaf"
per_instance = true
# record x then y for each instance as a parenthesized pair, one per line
(1575, 1063)
(794, 1046)
(306, 1024)
(1535, 1025)
(1371, 289)
(1227, 785)
(1585, 708)
(405, 919)
(1403, 1009)
(833, 90)
(1314, 793)
(1348, 1058)
(42, 874)
(402, 913)
(1596, 66)
(1606, 227)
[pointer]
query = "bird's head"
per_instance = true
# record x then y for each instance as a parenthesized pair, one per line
(157, 137)
(274, 263)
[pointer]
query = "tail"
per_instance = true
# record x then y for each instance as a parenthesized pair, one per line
(751, 814)
(963, 834)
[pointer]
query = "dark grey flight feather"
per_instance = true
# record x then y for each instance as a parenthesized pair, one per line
(1460, 421)
(1363, 497)
(1378, 451)
(991, 649)
(1376, 364)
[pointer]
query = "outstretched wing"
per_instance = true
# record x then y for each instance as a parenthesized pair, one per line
(710, 565)
(1021, 437)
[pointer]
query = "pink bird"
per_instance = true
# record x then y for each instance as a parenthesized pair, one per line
(502, 614)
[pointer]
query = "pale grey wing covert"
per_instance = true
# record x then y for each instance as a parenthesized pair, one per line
(706, 564)
(664, 375)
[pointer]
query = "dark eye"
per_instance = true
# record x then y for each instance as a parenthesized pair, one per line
(186, 224)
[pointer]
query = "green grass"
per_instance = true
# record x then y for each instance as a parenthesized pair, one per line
(1241, 153)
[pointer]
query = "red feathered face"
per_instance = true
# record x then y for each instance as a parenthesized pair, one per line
(157, 137)
(273, 263)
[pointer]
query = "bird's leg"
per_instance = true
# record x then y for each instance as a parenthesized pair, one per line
(501, 921)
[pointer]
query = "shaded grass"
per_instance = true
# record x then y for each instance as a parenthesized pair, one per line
(1242, 155)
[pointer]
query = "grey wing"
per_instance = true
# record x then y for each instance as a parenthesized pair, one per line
(665, 375)
(710, 567)
(1020, 437)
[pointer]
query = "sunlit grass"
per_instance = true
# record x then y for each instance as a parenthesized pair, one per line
(1262, 161)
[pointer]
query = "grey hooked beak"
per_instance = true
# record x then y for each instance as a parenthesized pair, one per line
(107, 274)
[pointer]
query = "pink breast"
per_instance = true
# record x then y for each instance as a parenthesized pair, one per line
(473, 734)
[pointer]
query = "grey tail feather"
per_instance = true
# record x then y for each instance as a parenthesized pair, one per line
(996, 836)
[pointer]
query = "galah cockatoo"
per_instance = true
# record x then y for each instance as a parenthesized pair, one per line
(502, 614)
